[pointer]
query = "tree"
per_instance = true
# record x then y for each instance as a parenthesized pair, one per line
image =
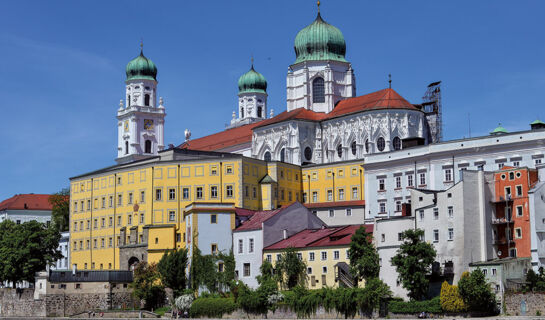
(60, 212)
(476, 292)
(203, 271)
(450, 298)
(413, 263)
(226, 278)
(364, 261)
(146, 285)
(531, 279)
(290, 269)
(172, 268)
(26, 249)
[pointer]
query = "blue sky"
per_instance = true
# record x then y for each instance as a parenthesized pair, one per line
(62, 66)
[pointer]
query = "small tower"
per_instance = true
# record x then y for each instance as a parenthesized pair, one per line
(140, 120)
(252, 98)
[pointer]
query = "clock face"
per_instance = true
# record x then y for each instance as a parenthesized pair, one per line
(126, 126)
(148, 124)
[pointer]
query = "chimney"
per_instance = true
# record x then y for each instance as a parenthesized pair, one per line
(285, 233)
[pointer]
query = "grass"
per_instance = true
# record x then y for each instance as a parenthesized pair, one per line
(161, 311)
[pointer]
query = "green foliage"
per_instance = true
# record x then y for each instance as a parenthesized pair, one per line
(413, 263)
(257, 301)
(226, 279)
(266, 272)
(60, 212)
(291, 270)
(476, 292)
(451, 301)
(26, 249)
(146, 285)
(172, 267)
(431, 306)
(212, 307)
(535, 281)
(364, 260)
(203, 271)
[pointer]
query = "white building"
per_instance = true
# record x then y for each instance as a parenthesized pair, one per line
(536, 200)
(22, 208)
(64, 247)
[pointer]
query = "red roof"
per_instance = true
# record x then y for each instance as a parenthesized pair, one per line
(297, 114)
(383, 99)
(244, 212)
(223, 139)
(332, 236)
(27, 202)
(351, 203)
(256, 221)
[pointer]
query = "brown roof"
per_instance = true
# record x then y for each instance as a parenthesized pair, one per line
(223, 139)
(382, 99)
(297, 114)
(255, 222)
(27, 202)
(351, 203)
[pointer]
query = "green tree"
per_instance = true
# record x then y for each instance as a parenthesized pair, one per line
(203, 271)
(146, 285)
(26, 249)
(413, 263)
(290, 269)
(364, 261)
(172, 268)
(60, 212)
(532, 279)
(267, 272)
(476, 292)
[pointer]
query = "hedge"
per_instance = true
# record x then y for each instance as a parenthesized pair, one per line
(432, 306)
(212, 307)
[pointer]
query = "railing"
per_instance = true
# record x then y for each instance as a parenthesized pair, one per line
(502, 241)
(501, 221)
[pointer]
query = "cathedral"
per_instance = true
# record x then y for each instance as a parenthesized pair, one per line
(324, 121)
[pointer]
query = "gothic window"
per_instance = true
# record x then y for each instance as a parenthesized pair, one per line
(308, 153)
(259, 111)
(282, 155)
(318, 90)
(148, 146)
(397, 143)
(242, 112)
(366, 145)
(353, 147)
(381, 144)
(267, 156)
(126, 147)
(146, 100)
(340, 150)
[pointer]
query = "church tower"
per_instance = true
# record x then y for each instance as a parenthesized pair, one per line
(252, 98)
(320, 76)
(140, 120)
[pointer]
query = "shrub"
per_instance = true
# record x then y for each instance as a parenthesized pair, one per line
(431, 306)
(212, 307)
(261, 300)
(476, 292)
(451, 301)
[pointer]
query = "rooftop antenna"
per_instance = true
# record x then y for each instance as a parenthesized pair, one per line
(469, 124)
(141, 45)
(252, 60)
(390, 81)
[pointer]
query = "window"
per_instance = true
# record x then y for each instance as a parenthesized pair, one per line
(309, 270)
(130, 198)
(324, 270)
(341, 194)
(305, 200)
(311, 256)
(129, 219)
(146, 100)
(331, 213)
(400, 236)
(213, 218)
(103, 202)
(158, 194)
(229, 191)
(449, 195)
(507, 192)
(95, 223)
(485, 272)
(382, 237)
(537, 161)
(259, 112)
(269, 258)
(381, 185)
(267, 157)
(126, 147)
(289, 195)
(398, 206)
(185, 193)
(214, 171)
(199, 192)
(435, 213)
(348, 212)
(382, 207)
(511, 176)
(340, 150)
(172, 216)
(242, 112)
(103, 222)
(314, 196)
(513, 253)
(214, 248)
(251, 245)
(142, 218)
(423, 179)
(450, 234)
(329, 195)
(410, 180)
(282, 156)
(519, 211)
(493, 271)
(398, 182)
(448, 175)
(95, 243)
(281, 194)
(213, 192)
(88, 205)
(381, 144)
(246, 270)
(308, 153)
(353, 148)
(102, 243)
(518, 233)
(75, 226)
(366, 145)
(450, 212)
(435, 235)
(519, 191)
(336, 255)
(318, 90)
(324, 255)
(142, 196)
(254, 193)
(355, 193)
(171, 194)
(240, 246)
(397, 143)
(119, 220)
(500, 165)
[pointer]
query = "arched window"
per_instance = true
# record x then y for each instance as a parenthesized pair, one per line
(366, 145)
(353, 147)
(259, 111)
(340, 150)
(129, 100)
(381, 144)
(148, 146)
(146, 100)
(397, 143)
(308, 153)
(282, 155)
(267, 156)
(126, 147)
(318, 90)
(327, 153)
(242, 112)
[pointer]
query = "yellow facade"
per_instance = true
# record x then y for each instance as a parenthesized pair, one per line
(143, 201)
(341, 181)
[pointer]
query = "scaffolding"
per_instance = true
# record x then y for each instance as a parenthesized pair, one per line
(431, 106)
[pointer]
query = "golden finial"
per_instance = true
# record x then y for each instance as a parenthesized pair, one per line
(318, 3)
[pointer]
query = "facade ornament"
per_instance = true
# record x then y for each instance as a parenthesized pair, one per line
(161, 101)
(187, 134)
(234, 115)
(121, 104)
(272, 113)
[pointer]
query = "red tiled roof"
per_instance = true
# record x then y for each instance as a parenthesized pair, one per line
(332, 236)
(27, 202)
(255, 222)
(244, 212)
(223, 139)
(382, 99)
(351, 203)
(297, 114)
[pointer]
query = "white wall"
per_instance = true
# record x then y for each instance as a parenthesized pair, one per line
(253, 258)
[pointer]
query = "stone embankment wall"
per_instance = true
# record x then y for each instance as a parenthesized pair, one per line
(20, 303)
(531, 301)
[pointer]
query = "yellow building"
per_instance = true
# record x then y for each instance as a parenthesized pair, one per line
(325, 252)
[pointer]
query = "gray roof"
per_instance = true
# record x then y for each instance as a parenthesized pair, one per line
(90, 276)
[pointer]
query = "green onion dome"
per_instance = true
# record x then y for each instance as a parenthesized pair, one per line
(499, 130)
(320, 41)
(141, 68)
(252, 81)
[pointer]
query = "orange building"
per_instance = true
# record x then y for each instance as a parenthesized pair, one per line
(512, 220)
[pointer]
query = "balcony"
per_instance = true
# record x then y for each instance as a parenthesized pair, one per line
(502, 241)
(498, 221)
(501, 199)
